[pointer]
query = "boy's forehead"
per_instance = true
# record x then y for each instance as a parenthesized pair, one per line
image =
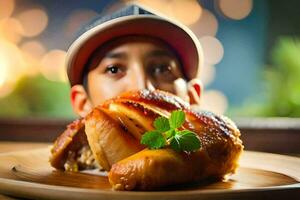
(127, 43)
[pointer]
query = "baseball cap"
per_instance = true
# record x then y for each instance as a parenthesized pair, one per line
(134, 20)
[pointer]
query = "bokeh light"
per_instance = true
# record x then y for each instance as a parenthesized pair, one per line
(6, 8)
(11, 30)
(53, 65)
(215, 101)
(3, 69)
(208, 73)
(12, 65)
(76, 19)
(12, 57)
(33, 48)
(213, 50)
(192, 6)
(6, 89)
(206, 25)
(32, 51)
(34, 21)
(235, 9)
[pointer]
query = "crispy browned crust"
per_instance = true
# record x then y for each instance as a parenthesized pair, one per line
(157, 99)
(71, 140)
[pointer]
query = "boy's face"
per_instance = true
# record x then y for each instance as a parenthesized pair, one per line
(132, 63)
(128, 63)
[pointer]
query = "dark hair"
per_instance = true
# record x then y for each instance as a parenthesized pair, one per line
(85, 78)
(87, 68)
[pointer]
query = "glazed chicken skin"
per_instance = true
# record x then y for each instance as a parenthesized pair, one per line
(113, 131)
(71, 151)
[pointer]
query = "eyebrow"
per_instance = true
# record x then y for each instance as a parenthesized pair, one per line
(121, 55)
(157, 53)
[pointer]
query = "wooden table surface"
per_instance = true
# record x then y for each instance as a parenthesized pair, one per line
(6, 147)
(18, 146)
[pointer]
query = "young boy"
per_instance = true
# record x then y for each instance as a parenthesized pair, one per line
(133, 49)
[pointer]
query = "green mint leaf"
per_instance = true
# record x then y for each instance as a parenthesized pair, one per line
(161, 124)
(185, 141)
(175, 144)
(176, 119)
(167, 133)
(170, 133)
(153, 139)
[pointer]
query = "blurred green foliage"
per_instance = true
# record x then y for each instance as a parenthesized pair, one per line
(37, 97)
(284, 79)
(281, 93)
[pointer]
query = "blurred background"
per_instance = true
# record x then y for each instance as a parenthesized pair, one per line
(251, 49)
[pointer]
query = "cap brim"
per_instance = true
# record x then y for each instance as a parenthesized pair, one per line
(178, 37)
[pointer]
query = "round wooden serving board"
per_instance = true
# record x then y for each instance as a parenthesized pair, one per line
(260, 176)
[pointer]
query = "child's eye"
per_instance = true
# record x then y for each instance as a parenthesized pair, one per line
(162, 72)
(160, 69)
(113, 69)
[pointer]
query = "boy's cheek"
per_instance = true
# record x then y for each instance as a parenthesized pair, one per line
(106, 88)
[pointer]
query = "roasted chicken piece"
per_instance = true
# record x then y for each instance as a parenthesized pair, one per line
(71, 151)
(109, 140)
(153, 169)
(115, 128)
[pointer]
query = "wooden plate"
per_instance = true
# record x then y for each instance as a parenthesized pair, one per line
(260, 176)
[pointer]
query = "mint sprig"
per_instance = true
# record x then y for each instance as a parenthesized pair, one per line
(154, 138)
(167, 133)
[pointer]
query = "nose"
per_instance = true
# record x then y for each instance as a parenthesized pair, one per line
(139, 78)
